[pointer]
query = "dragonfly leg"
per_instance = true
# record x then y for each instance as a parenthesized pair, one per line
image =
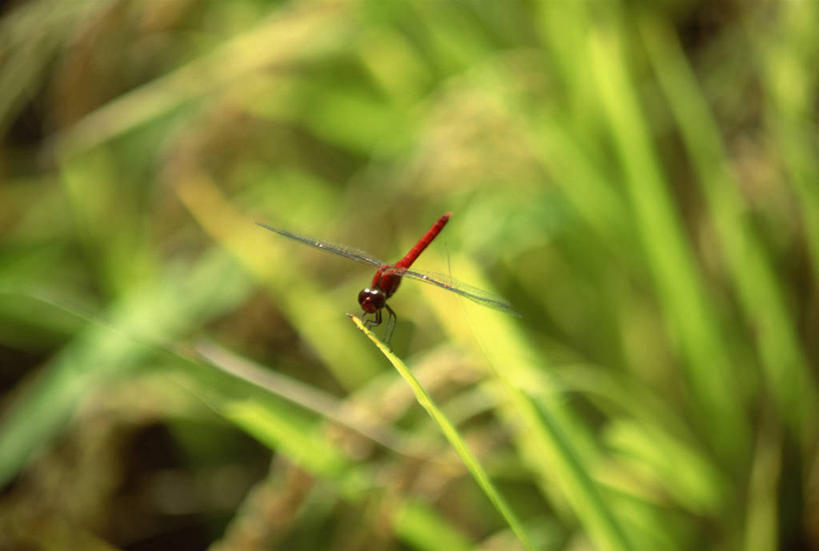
(391, 320)
(374, 322)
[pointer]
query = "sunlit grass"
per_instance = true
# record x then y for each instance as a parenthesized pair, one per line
(452, 435)
(639, 182)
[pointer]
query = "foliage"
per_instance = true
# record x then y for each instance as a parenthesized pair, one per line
(639, 180)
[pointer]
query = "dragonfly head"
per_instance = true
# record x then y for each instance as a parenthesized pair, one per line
(371, 300)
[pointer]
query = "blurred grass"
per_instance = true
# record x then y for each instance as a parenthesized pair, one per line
(639, 181)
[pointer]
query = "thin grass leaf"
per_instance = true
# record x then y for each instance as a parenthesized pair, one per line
(758, 287)
(451, 434)
(421, 526)
(303, 443)
(553, 441)
(245, 402)
(171, 306)
(762, 519)
(790, 82)
(688, 314)
(288, 36)
(312, 399)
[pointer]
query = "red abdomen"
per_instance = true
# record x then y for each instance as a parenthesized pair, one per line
(422, 244)
(387, 281)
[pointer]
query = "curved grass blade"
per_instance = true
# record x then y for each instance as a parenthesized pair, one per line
(452, 436)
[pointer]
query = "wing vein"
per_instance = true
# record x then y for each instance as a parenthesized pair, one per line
(335, 248)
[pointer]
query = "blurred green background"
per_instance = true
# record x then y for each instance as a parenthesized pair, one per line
(639, 179)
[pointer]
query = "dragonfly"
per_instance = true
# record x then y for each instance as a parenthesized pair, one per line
(388, 277)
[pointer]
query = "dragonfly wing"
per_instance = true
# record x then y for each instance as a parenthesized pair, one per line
(474, 294)
(335, 248)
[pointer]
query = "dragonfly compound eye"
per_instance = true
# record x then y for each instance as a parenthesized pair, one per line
(371, 300)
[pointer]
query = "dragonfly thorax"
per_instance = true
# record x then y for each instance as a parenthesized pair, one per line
(372, 300)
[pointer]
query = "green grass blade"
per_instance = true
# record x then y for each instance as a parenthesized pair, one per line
(287, 36)
(261, 409)
(160, 311)
(302, 442)
(421, 526)
(759, 290)
(788, 64)
(307, 397)
(688, 315)
(762, 519)
(555, 443)
(451, 434)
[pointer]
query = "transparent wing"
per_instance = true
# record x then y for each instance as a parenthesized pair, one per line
(480, 296)
(443, 281)
(335, 248)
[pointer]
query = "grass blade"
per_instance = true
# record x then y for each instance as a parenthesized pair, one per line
(758, 287)
(161, 311)
(451, 434)
(687, 312)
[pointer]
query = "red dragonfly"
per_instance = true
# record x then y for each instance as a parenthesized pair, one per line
(388, 276)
